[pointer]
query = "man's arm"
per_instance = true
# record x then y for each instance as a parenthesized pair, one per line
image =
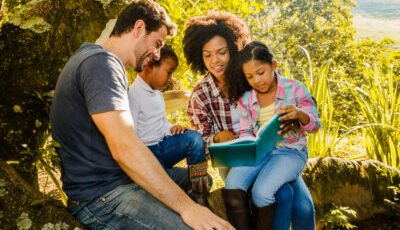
(143, 168)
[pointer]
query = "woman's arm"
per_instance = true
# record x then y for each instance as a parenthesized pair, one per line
(200, 117)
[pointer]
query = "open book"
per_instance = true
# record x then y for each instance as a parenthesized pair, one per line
(247, 150)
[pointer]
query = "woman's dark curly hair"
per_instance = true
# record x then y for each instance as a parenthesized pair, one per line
(201, 29)
(235, 81)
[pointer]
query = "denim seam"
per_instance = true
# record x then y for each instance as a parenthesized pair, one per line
(97, 219)
(134, 220)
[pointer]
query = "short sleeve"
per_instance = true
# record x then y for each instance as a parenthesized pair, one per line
(102, 80)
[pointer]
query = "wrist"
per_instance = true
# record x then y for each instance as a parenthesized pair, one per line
(304, 119)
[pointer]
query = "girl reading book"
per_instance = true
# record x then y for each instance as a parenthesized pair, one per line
(252, 80)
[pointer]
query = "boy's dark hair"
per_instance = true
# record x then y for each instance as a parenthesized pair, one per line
(149, 11)
(165, 52)
(201, 29)
(235, 80)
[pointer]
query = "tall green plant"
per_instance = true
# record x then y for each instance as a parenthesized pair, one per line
(379, 101)
(324, 142)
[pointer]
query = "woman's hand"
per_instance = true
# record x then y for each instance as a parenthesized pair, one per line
(223, 136)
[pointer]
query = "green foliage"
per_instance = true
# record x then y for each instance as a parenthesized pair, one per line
(379, 101)
(324, 28)
(338, 218)
(178, 118)
(324, 142)
(47, 159)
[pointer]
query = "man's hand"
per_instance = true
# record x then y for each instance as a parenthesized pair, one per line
(224, 136)
(177, 129)
(200, 218)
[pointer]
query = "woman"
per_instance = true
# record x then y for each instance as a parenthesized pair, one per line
(209, 44)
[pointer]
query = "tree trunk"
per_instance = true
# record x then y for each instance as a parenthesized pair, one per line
(35, 43)
(24, 207)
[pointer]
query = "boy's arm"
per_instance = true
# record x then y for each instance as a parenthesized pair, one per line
(143, 168)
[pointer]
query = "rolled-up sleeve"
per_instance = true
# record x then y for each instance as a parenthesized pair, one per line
(308, 105)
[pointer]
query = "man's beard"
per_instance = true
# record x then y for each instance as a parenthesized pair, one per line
(140, 63)
(143, 60)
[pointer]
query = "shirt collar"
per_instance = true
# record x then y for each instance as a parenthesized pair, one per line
(280, 91)
(215, 90)
(139, 80)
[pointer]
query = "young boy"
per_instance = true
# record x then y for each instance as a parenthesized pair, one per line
(169, 143)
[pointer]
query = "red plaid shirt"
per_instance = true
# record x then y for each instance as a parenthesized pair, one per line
(209, 111)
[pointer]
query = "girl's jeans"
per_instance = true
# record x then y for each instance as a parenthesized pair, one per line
(289, 196)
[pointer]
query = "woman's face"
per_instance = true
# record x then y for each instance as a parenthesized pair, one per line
(216, 56)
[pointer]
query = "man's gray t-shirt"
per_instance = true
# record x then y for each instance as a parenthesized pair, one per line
(93, 81)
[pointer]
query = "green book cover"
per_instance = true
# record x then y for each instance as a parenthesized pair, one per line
(247, 150)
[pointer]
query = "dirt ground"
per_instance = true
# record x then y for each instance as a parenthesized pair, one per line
(380, 222)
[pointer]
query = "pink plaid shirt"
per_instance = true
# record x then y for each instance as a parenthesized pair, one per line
(289, 92)
(209, 111)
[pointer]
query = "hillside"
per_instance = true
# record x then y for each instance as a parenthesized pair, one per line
(378, 19)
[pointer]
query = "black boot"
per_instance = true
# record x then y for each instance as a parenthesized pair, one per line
(199, 183)
(237, 208)
(264, 216)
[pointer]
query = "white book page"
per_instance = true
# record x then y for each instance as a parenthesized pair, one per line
(238, 140)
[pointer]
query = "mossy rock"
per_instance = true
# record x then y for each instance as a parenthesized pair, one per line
(361, 185)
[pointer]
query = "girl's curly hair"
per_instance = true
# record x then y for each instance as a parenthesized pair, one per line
(201, 29)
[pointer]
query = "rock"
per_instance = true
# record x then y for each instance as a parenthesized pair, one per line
(361, 185)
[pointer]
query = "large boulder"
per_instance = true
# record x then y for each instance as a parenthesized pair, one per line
(361, 185)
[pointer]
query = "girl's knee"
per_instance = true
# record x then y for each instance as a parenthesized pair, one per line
(262, 197)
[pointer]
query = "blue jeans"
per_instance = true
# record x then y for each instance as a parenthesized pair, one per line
(303, 215)
(130, 207)
(294, 195)
(294, 204)
(172, 149)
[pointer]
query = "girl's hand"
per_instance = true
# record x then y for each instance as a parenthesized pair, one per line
(287, 126)
(291, 112)
(177, 129)
(224, 136)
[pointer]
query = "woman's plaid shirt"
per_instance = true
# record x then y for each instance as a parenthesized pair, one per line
(208, 110)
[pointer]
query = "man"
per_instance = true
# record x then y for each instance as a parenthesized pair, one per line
(100, 152)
